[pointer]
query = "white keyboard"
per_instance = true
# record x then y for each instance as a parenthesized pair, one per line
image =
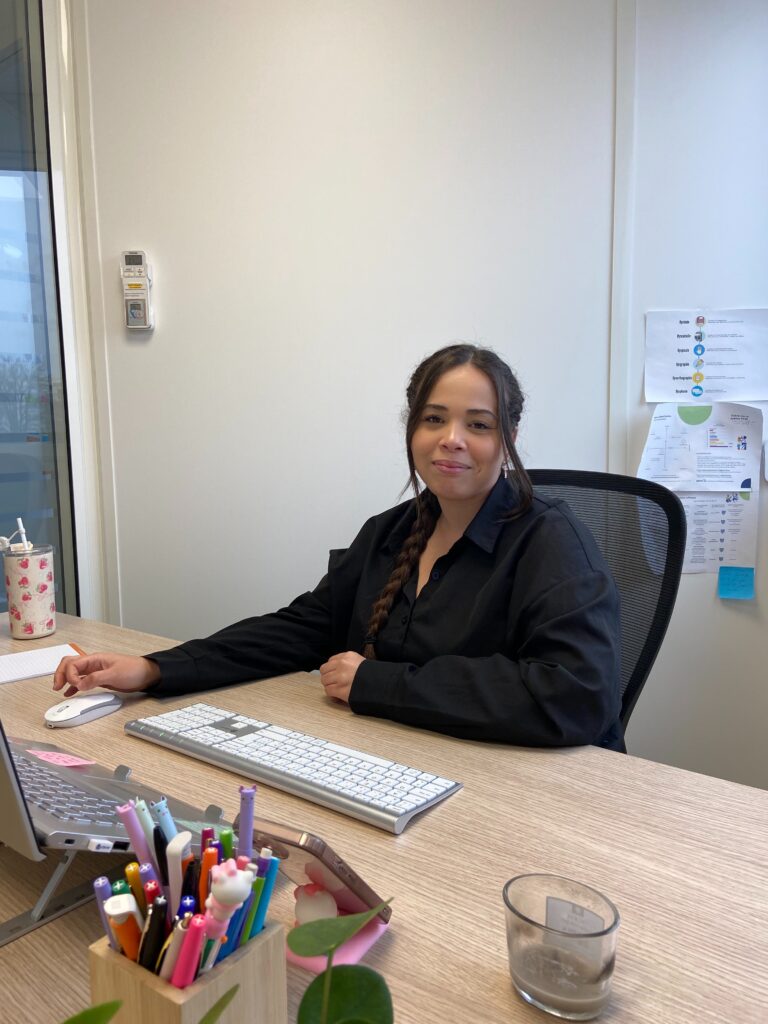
(373, 789)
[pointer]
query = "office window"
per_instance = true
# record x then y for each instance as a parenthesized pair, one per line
(34, 449)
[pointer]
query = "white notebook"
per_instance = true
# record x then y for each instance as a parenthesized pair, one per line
(27, 664)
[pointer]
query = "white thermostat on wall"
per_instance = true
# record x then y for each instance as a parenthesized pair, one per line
(136, 275)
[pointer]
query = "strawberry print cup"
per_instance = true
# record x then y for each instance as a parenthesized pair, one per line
(30, 589)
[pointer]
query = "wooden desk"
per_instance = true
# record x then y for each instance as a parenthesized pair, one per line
(682, 855)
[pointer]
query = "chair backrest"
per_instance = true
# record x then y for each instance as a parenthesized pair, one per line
(640, 528)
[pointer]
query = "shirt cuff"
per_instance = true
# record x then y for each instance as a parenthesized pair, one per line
(377, 687)
(178, 673)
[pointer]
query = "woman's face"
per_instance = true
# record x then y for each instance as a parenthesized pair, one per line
(457, 447)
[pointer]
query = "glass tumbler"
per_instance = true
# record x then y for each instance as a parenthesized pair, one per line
(561, 940)
(30, 588)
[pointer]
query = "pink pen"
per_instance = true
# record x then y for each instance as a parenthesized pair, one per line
(129, 818)
(185, 971)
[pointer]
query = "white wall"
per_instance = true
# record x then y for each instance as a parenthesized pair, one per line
(701, 239)
(329, 191)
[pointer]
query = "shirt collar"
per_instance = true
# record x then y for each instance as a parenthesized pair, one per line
(484, 529)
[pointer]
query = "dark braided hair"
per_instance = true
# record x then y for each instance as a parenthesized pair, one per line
(509, 399)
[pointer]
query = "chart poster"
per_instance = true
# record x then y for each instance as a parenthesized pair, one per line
(705, 356)
(704, 447)
(722, 529)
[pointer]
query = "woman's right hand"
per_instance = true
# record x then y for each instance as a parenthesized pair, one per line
(123, 672)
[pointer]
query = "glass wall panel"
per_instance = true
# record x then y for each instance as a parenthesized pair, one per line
(34, 449)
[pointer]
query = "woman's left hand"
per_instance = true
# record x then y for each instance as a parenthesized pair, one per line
(338, 674)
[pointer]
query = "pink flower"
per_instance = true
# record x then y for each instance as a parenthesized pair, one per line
(49, 624)
(28, 627)
(23, 581)
(49, 577)
(24, 563)
(53, 606)
(43, 563)
(17, 614)
(12, 610)
(41, 588)
(28, 597)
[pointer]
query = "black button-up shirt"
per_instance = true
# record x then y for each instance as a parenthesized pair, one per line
(514, 638)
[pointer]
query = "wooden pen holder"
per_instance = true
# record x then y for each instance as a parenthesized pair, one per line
(258, 968)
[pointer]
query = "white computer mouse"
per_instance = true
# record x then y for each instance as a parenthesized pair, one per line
(86, 707)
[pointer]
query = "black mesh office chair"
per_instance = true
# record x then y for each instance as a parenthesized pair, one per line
(640, 529)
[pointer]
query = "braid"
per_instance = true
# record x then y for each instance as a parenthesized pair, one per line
(428, 511)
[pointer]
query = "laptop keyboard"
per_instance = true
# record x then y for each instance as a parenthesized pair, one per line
(46, 789)
(373, 789)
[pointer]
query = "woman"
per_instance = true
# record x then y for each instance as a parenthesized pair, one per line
(475, 609)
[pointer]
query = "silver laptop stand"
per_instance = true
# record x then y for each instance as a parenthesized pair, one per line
(49, 905)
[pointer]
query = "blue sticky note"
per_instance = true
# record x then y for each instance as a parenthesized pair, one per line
(736, 582)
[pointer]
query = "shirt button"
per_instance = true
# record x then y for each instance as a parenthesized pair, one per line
(435, 574)
(404, 619)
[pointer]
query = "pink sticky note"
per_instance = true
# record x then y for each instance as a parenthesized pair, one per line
(59, 757)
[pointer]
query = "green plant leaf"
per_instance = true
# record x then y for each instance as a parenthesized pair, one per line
(96, 1014)
(220, 1006)
(358, 996)
(319, 938)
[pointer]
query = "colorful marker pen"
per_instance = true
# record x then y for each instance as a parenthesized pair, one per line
(263, 862)
(226, 837)
(147, 873)
(177, 850)
(234, 928)
(120, 887)
(151, 891)
(245, 829)
(134, 880)
(169, 954)
(191, 878)
(258, 886)
(209, 857)
(266, 895)
(187, 905)
(102, 890)
(145, 818)
(164, 817)
(160, 844)
(127, 923)
(127, 814)
(185, 971)
(153, 936)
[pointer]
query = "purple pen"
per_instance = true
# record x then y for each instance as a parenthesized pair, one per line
(147, 873)
(216, 844)
(102, 890)
(262, 864)
(127, 814)
(245, 830)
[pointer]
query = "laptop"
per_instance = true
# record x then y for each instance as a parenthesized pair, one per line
(49, 805)
(46, 805)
